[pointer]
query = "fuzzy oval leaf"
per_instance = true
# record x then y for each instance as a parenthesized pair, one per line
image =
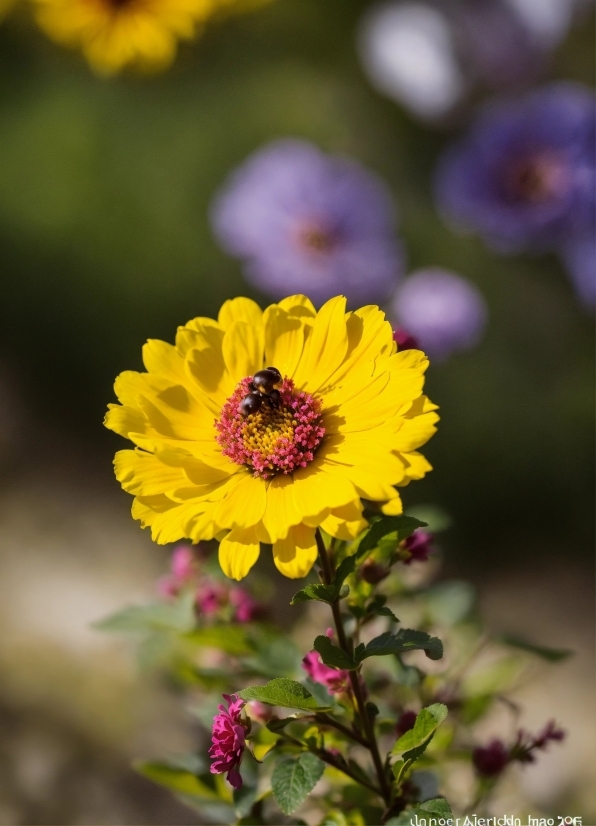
(159, 616)
(332, 655)
(178, 780)
(294, 779)
(232, 639)
(285, 693)
(438, 807)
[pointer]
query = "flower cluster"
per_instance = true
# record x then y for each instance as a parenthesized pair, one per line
(228, 739)
(211, 595)
(490, 760)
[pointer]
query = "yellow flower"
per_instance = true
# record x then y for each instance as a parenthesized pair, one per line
(118, 33)
(345, 425)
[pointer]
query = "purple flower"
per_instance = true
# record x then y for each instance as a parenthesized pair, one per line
(441, 310)
(304, 221)
(524, 176)
(406, 722)
(404, 340)
(182, 570)
(228, 739)
(579, 257)
(417, 547)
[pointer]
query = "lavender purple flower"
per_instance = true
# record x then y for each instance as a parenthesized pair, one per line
(524, 176)
(441, 310)
(304, 221)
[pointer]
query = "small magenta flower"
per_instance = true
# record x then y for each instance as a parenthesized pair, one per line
(442, 311)
(335, 680)
(417, 547)
(228, 739)
(524, 176)
(490, 760)
(306, 222)
(526, 744)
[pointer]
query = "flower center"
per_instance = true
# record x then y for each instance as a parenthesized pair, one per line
(276, 438)
(535, 178)
(316, 238)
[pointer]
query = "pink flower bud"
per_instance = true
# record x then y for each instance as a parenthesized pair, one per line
(490, 760)
(404, 340)
(417, 547)
(183, 563)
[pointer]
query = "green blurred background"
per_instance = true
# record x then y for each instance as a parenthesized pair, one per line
(104, 192)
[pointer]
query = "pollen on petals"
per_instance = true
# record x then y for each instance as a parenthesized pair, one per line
(271, 441)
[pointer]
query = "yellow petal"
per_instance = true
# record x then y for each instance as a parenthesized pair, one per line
(245, 503)
(367, 483)
(240, 309)
(207, 370)
(416, 465)
(370, 340)
(243, 347)
(238, 552)
(325, 348)
(281, 512)
(202, 333)
(163, 359)
(298, 305)
(144, 474)
(394, 507)
(345, 523)
(415, 432)
(125, 420)
(129, 385)
(295, 555)
(284, 340)
(196, 470)
(321, 486)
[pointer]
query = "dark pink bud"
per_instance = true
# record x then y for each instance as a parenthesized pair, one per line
(228, 738)
(417, 547)
(405, 723)
(182, 564)
(404, 340)
(490, 760)
(373, 572)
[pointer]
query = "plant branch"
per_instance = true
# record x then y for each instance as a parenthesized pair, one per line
(326, 720)
(327, 572)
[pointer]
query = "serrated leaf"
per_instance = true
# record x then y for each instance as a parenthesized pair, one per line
(405, 640)
(427, 722)
(332, 655)
(293, 780)
(159, 616)
(384, 611)
(551, 655)
(404, 525)
(178, 780)
(285, 693)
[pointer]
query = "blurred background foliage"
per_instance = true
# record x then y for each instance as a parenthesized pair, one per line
(105, 188)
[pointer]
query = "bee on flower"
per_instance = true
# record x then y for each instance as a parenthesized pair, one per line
(342, 423)
(114, 34)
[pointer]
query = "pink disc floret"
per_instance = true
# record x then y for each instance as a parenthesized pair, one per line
(272, 440)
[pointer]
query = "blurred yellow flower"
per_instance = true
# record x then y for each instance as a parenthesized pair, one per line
(343, 424)
(138, 33)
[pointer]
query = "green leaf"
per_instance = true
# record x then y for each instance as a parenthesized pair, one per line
(384, 611)
(405, 640)
(285, 693)
(293, 780)
(159, 616)
(178, 780)
(551, 655)
(427, 722)
(332, 655)
(322, 593)
(232, 639)
(404, 525)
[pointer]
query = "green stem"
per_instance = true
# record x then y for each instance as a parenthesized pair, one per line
(369, 730)
(326, 720)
